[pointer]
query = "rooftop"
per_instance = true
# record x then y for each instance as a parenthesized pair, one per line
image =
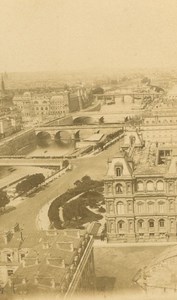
(51, 258)
(145, 161)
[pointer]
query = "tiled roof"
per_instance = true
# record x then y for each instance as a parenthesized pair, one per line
(49, 258)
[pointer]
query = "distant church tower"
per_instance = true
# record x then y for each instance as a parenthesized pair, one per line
(2, 85)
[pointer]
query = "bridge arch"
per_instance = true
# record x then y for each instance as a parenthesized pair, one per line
(43, 139)
(63, 138)
(85, 120)
(77, 136)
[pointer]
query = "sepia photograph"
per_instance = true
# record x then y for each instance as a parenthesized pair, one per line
(88, 149)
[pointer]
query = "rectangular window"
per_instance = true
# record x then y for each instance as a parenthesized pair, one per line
(171, 187)
(151, 208)
(118, 172)
(161, 208)
(22, 255)
(9, 257)
(10, 272)
(151, 224)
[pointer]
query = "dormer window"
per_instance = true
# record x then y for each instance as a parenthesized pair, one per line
(118, 170)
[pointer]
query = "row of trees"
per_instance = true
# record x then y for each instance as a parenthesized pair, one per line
(80, 186)
(30, 182)
(77, 208)
(4, 199)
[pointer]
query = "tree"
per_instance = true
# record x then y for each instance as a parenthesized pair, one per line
(146, 80)
(30, 182)
(86, 178)
(77, 183)
(4, 200)
(65, 163)
(102, 209)
(101, 120)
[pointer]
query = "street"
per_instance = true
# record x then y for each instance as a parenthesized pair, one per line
(25, 214)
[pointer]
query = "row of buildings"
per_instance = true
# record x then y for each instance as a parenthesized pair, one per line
(52, 104)
(53, 262)
(10, 121)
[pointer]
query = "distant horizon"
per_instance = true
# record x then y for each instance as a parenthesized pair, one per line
(93, 69)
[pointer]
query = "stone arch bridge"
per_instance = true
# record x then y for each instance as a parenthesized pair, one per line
(67, 135)
(134, 96)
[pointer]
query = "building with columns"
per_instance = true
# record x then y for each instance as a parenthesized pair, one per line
(141, 196)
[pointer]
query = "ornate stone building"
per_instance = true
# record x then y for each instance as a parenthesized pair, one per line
(141, 198)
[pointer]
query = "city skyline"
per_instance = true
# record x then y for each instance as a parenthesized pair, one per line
(78, 35)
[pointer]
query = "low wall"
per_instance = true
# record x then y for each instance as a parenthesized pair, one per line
(22, 143)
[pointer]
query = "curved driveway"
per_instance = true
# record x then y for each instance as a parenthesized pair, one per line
(26, 212)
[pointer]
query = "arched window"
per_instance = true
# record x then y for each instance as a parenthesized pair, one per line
(121, 225)
(161, 223)
(140, 206)
(120, 208)
(150, 207)
(140, 224)
(139, 186)
(119, 188)
(161, 206)
(151, 223)
(150, 186)
(160, 185)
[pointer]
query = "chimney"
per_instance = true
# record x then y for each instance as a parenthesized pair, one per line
(72, 233)
(10, 282)
(52, 283)
(67, 246)
(76, 260)
(23, 263)
(35, 280)
(79, 251)
(63, 263)
(24, 281)
(45, 245)
(58, 262)
(5, 238)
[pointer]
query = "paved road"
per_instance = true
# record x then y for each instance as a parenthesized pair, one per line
(31, 162)
(27, 211)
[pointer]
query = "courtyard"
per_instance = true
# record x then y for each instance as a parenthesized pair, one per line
(116, 267)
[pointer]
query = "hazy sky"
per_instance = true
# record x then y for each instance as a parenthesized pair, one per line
(59, 35)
